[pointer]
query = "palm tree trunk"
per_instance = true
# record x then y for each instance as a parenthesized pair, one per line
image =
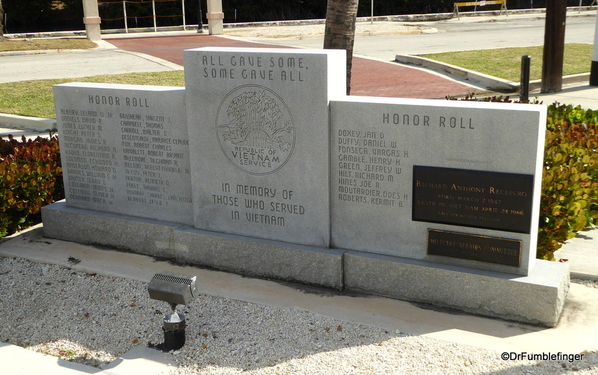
(341, 16)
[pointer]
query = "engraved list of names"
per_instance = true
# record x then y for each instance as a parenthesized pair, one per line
(125, 150)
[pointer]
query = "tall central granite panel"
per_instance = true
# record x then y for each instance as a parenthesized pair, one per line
(259, 140)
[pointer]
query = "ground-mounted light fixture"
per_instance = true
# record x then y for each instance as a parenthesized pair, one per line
(176, 290)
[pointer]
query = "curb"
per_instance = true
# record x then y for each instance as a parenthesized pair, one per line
(573, 79)
(27, 123)
(482, 80)
(478, 79)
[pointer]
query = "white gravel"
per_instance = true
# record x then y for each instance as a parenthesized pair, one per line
(92, 319)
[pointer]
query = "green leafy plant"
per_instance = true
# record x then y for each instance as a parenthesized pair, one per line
(30, 177)
(569, 201)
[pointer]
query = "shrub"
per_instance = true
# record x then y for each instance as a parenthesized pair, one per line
(30, 177)
(569, 201)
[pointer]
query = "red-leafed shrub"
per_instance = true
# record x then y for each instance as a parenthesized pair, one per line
(30, 177)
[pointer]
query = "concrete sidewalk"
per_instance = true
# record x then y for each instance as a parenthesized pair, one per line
(106, 59)
(583, 95)
(139, 360)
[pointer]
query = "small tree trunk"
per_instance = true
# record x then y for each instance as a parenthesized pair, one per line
(554, 46)
(341, 16)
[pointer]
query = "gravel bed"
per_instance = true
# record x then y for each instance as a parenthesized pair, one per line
(92, 319)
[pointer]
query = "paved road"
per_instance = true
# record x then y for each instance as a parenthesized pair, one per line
(483, 33)
(369, 77)
(376, 77)
(75, 64)
(469, 33)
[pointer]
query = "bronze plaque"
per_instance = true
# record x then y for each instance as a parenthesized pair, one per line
(479, 199)
(474, 247)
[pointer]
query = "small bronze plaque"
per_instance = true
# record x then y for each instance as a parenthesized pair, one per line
(479, 199)
(474, 247)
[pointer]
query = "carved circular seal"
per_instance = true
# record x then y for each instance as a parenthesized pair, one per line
(255, 129)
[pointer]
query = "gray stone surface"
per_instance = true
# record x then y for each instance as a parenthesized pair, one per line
(234, 173)
(537, 298)
(260, 140)
(143, 236)
(249, 256)
(377, 142)
(257, 257)
(125, 149)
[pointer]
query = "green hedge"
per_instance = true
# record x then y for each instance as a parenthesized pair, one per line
(30, 177)
(570, 179)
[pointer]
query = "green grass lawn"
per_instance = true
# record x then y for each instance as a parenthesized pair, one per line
(505, 63)
(35, 99)
(11, 45)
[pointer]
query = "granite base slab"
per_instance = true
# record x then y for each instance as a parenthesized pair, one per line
(243, 255)
(537, 298)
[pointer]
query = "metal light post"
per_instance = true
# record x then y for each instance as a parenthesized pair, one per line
(524, 78)
(594, 67)
(372, 12)
(199, 18)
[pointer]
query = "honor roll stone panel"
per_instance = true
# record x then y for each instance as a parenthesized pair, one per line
(125, 149)
(259, 135)
(443, 181)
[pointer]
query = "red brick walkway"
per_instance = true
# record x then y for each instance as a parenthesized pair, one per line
(369, 77)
